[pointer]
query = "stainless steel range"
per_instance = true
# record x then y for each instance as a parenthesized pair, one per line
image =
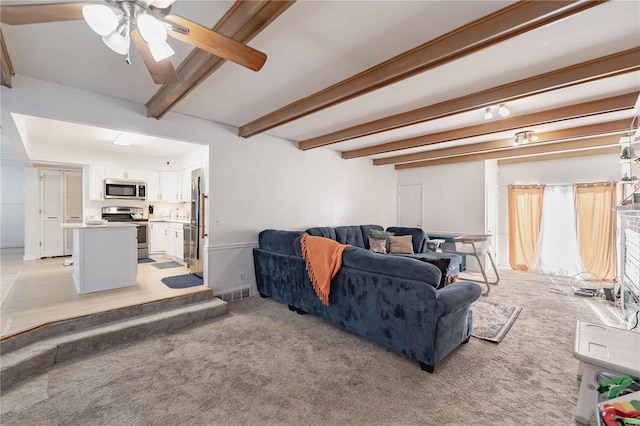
(131, 214)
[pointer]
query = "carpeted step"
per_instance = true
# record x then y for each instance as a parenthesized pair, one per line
(38, 334)
(36, 358)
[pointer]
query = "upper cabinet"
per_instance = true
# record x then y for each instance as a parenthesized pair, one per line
(153, 185)
(185, 185)
(169, 186)
(96, 183)
(123, 173)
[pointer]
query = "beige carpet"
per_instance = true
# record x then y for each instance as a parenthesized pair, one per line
(262, 364)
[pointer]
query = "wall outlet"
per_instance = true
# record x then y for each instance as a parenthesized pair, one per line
(243, 276)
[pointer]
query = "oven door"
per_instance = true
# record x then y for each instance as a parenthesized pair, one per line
(142, 235)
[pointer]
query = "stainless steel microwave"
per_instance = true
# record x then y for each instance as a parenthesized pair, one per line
(125, 189)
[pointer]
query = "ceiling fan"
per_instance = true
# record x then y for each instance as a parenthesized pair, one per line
(147, 23)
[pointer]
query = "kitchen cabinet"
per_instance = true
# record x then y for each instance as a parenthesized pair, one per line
(175, 243)
(157, 237)
(185, 185)
(124, 173)
(169, 186)
(96, 183)
(153, 185)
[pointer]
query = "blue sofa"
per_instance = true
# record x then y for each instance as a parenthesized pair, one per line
(391, 300)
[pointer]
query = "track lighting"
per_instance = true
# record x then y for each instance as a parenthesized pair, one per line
(503, 111)
(524, 137)
(488, 115)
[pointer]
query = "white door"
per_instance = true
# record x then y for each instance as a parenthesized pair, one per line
(72, 206)
(491, 215)
(410, 205)
(51, 213)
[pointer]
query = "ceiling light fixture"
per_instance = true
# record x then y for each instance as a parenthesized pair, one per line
(122, 140)
(119, 40)
(503, 111)
(102, 19)
(115, 27)
(488, 115)
(526, 136)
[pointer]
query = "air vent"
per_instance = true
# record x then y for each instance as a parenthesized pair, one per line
(238, 294)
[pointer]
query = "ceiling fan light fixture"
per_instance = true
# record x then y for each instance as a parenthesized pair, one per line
(117, 42)
(102, 19)
(151, 30)
(503, 111)
(160, 51)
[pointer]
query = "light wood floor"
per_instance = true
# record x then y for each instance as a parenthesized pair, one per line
(38, 292)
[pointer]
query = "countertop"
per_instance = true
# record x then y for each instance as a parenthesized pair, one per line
(170, 220)
(107, 225)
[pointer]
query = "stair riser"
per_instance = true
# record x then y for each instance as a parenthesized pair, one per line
(88, 345)
(34, 336)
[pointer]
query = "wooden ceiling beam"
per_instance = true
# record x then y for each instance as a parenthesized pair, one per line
(574, 145)
(508, 22)
(560, 156)
(593, 70)
(599, 129)
(6, 68)
(242, 22)
(601, 106)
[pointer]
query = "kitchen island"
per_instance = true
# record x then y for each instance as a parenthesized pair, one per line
(104, 256)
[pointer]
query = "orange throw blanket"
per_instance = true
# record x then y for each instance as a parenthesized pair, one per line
(324, 259)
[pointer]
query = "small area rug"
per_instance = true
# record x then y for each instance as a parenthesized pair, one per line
(492, 320)
(146, 260)
(182, 281)
(165, 265)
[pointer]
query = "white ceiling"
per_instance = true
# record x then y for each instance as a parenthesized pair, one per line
(314, 44)
(43, 131)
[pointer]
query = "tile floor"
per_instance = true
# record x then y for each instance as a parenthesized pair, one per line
(38, 292)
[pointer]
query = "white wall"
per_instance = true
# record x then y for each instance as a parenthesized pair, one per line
(598, 168)
(453, 196)
(12, 181)
(254, 184)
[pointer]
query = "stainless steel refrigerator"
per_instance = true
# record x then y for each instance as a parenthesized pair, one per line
(194, 232)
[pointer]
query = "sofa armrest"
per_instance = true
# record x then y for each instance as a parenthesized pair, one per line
(457, 296)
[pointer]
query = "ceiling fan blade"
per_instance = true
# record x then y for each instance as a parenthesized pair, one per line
(162, 72)
(216, 43)
(162, 4)
(39, 13)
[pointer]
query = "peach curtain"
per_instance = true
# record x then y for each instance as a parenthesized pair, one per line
(525, 212)
(596, 228)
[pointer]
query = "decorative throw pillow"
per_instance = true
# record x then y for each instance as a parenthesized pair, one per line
(378, 245)
(381, 234)
(402, 244)
(443, 265)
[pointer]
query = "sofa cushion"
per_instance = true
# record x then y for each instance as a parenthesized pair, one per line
(366, 229)
(397, 266)
(400, 244)
(378, 245)
(418, 237)
(278, 241)
(322, 231)
(351, 235)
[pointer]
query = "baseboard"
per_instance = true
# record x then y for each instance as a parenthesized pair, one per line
(29, 257)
